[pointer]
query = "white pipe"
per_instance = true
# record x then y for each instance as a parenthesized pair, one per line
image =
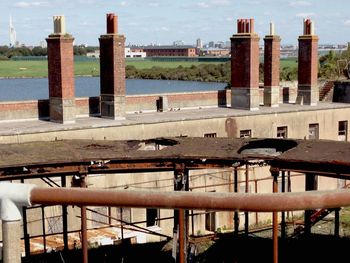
(12, 197)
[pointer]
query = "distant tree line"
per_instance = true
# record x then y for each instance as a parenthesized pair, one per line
(9, 52)
(202, 72)
(334, 65)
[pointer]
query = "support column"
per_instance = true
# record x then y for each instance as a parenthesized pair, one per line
(64, 217)
(310, 185)
(80, 181)
(61, 74)
(25, 229)
(275, 173)
(180, 220)
(43, 227)
(246, 214)
(336, 222)
(308, 93)
(11, 236)
(272, 68)
(112, 68)
(236, 216)
(245, 66)
(283, 214)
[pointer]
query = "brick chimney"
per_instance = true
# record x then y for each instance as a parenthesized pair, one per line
(61, 73)
(245, 66)
(272, 68)
(112, 66)
(308, 93)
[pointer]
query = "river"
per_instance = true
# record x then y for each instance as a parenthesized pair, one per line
(37, 88)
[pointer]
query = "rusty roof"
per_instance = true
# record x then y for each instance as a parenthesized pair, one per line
(305, 155)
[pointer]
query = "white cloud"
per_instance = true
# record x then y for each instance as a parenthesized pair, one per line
(300, 3)
(220, 2)
(153, 4)
(305, 15)
(347, 22)
(123, 3)
(30, 4)
(202, 5)
(163, 28)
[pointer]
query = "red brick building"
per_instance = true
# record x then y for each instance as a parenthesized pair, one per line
(170, 51)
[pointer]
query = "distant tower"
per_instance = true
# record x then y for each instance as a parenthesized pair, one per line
(12, 33)
(199, 43)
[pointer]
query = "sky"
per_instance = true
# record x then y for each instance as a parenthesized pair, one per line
(164, 21)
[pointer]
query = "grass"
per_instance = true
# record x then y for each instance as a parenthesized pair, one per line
(289, 62)
(36, 69)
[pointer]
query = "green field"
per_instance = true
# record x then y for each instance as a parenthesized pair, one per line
(289, 62)
(36, 69)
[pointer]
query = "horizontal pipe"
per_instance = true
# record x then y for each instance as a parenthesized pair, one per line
(189, 200)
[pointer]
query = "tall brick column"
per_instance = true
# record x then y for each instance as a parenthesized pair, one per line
(308, 93)
(61, 73)
(112, 66)
(245, 66)
(272, 68)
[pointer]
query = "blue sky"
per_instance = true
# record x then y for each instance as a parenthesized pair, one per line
(164, 21)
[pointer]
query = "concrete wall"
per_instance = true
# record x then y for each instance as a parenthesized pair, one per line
(39, 109)
(29, 110)
(261, 124)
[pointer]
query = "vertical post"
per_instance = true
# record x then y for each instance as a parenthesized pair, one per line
(64, 216)
(182, 237)
(275, 173)
(122, 223)
(43, 227)
(84, 226)
(84, 234)
(256, 191)
(79, 180)
(283, 214)
(246, 214)
(25, 230)
(310, 185)
(236, 216)
(336, 222)
(11, 235)
(289, 187)
(25, 233)
(230, 189)
(180, 222)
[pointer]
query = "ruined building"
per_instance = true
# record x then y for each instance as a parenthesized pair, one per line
(249, 109)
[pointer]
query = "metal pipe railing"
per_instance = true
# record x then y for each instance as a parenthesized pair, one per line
(269, 202)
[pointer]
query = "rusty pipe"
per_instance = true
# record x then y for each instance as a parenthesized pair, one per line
(268, 202)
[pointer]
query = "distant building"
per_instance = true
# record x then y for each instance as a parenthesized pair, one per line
(130, 53)
(179, 43)
(199, 43)
(215, 52)
(211, 44)
(170, 51)
(220, 44)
